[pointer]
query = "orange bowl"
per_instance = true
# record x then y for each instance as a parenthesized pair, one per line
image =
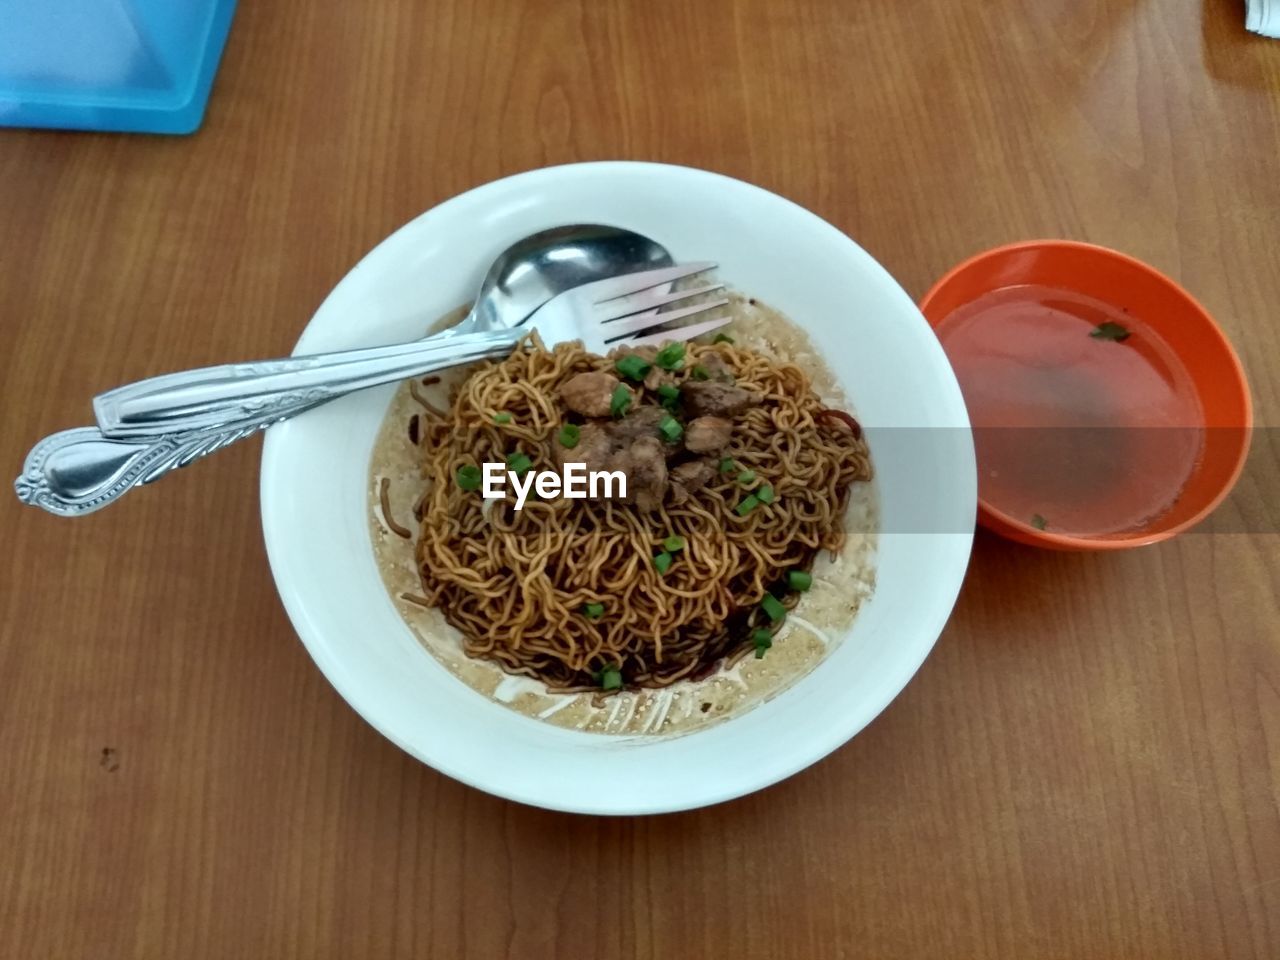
(1109, 410)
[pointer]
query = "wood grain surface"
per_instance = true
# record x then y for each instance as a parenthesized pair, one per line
(1088, 765)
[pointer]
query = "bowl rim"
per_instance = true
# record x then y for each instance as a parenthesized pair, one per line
(818, 743)
(1005, 524)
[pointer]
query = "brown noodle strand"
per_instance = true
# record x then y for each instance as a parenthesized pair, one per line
(419, 505)
(515, 583)
(423, 401)
(384, 500)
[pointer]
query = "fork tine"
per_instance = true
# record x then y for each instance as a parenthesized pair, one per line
(630, 283)
(680, 333)
(677, 333)
(647, 321)
(621, 307)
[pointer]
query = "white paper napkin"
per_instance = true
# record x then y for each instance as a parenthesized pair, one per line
(1263, 16)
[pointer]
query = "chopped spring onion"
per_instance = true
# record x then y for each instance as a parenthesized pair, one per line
(518, 463)
(723, 338)
(1110, 331)
(669, 395)
(726, 465)
(673, 544)
(747, 505)
(662, 562)
(610, 677)
(1038, 521)
(632, 367)
(747, 476)
(799, 580)
(700, 372)
(670, 429)
(670, 357)
(765, 493)
(569, 435)
(469, 477)
(772, 607)
(763, 640)
(620, 401)
(502, 417)
(593, 611)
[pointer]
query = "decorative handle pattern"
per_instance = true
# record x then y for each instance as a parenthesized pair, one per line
(75, 472)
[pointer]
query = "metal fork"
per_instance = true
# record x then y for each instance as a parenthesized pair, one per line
(600, 314)
(154, 426)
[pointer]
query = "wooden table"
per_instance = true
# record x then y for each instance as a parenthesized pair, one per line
(1088, 765)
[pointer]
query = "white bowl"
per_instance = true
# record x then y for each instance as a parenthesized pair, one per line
(314, 481)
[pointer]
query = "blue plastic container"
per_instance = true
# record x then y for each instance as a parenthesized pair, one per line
(139, 65)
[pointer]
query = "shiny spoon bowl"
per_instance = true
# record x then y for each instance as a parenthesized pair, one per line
(533, 270)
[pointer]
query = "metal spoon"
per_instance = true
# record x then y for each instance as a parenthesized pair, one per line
(522, 279)
(533, 270)
(78, 471)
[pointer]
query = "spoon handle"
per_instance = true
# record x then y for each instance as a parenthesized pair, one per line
(267, 391)
(76, 472)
